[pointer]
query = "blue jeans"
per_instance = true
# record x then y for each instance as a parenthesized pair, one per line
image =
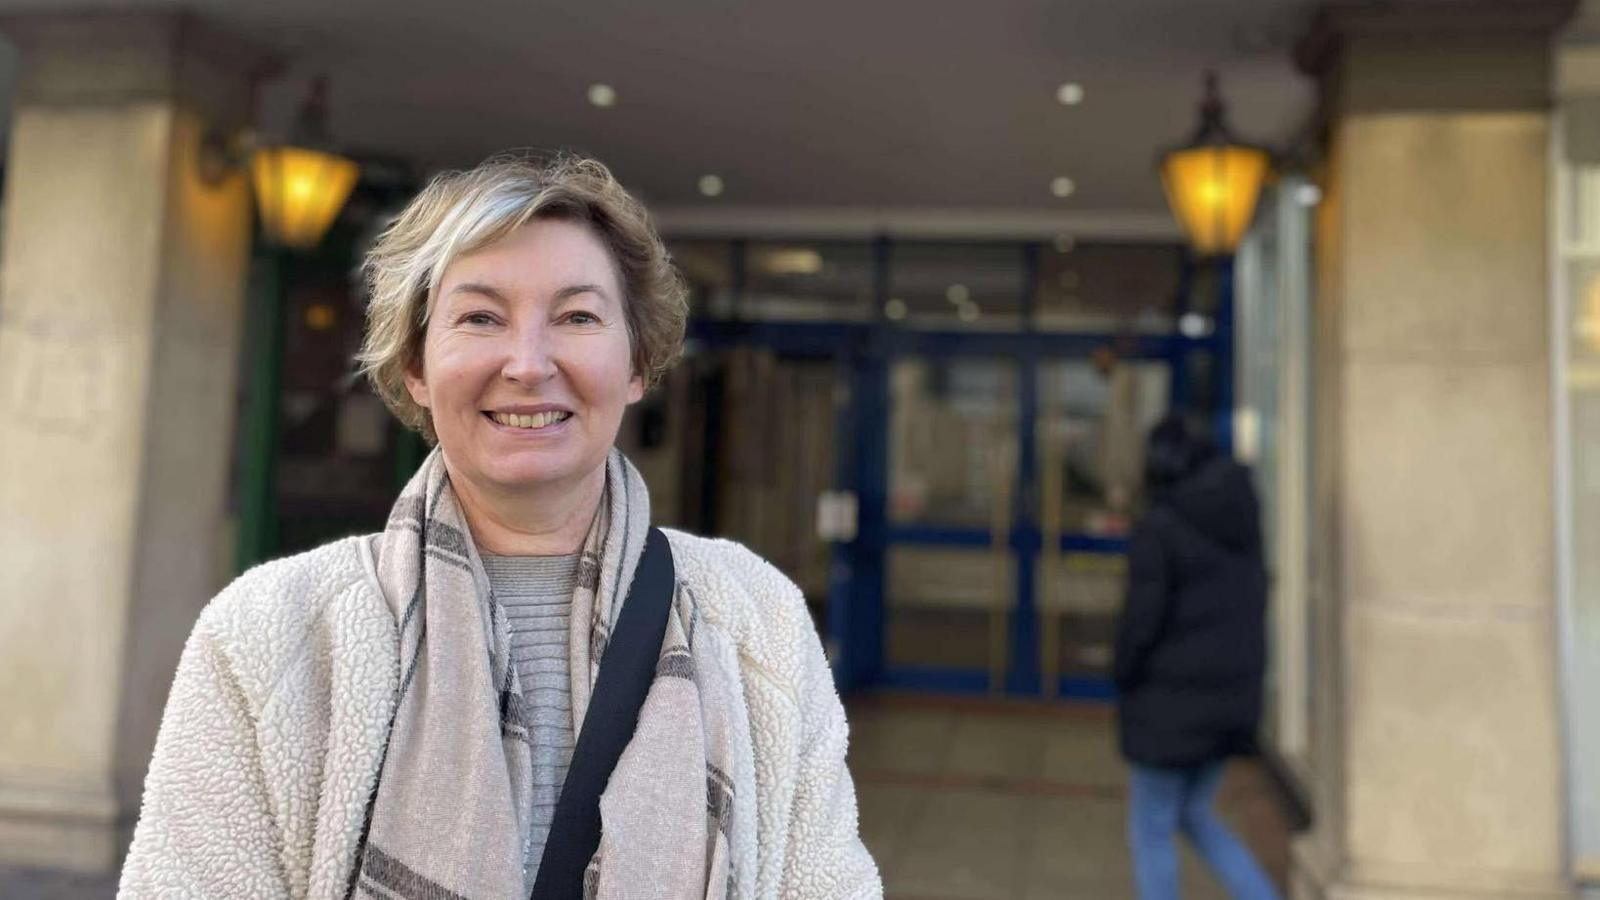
(1162, 801)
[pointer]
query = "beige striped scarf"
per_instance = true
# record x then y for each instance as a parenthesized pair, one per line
(450, 815)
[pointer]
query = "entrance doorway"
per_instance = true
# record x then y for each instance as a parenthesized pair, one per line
(991, 465)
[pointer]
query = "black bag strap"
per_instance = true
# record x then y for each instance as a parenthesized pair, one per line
(626, 672)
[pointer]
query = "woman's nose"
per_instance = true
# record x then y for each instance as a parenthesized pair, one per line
(529, 360)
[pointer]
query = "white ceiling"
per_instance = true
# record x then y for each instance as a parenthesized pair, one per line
(940, 107)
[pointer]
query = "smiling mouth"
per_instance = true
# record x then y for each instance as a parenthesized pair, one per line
(533, 422)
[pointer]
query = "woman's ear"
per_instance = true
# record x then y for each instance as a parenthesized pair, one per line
(635, 389)
(417, 382)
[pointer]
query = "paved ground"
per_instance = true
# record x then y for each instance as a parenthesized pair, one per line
(967, 800)
(970, 799)
(38, 884)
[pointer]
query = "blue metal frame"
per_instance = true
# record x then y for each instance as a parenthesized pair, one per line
(863, 352)
(826, 339)
(952, 680)
(1223, 341)
(1026, 538)
(1220, 343)
(942, 679)
(1023, 677)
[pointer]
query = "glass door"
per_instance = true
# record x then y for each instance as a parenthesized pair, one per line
(949, 566)
(1092, 417)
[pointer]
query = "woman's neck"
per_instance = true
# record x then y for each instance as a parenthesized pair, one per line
(548, 520)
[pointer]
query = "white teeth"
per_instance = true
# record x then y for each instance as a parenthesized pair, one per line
(537, 420)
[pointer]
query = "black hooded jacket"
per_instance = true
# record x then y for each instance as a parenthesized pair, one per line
(1191, 644)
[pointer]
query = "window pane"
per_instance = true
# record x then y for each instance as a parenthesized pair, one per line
(948, 606)
(1091, 429)
(335, 474)
(808, 282)
(1580, 351)
(1108, 287)
(956, 285)
(952, 444)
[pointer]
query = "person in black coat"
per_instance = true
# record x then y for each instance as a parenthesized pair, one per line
(1190, 656)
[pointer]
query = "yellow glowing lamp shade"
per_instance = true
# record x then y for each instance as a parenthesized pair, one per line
(1212, 189)
(299, 192)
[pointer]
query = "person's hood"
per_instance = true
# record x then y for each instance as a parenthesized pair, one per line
(1219, 501)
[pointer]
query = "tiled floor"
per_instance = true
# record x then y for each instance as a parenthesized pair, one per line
(962, 799)
(993, 799)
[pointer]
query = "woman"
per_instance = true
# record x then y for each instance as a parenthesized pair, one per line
(1189, 659)
(394, 715)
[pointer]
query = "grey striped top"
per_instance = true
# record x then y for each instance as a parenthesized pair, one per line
(536, 593)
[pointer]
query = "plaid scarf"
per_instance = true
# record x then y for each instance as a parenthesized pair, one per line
(450, 815)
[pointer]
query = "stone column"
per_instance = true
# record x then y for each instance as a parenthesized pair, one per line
(122, 275)
(1436, 747)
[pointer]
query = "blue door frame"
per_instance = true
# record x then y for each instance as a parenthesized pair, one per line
(864, 351)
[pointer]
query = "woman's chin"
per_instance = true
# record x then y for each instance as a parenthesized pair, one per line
(533, 469)
(528, 474)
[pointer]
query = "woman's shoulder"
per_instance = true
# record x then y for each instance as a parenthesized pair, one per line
(264, 617)
(733, 583)
(291, 585)
(762, 610)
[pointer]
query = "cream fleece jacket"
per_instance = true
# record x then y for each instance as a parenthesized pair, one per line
(274, 732)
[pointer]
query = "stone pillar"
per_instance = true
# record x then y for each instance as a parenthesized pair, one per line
(122, 275)
(1435, 749)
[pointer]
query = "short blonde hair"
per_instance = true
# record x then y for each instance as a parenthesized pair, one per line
(461, 212)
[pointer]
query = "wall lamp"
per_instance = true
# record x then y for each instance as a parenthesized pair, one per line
(300, 185)
(1212, 181)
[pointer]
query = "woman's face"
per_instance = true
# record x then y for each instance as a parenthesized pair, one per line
(526, 364)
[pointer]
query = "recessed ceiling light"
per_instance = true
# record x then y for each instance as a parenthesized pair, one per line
(602, 95)
(1194, 325)
(1065, 243)
(1070, 94)
(1062, 186)
(895, 309)
(957, 294)
(710, 185)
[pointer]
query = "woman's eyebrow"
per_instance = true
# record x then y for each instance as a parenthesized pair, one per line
(482, 290)
(572, 290)
(492, 293)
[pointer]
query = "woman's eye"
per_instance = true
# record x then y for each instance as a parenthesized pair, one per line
(477, 318)
(583, 318)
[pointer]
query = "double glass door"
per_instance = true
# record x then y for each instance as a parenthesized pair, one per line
(989, 403)
(1012, 486)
